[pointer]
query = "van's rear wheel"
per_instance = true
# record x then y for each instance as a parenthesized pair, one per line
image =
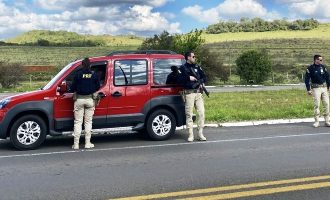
(28, 132)
(161, 125)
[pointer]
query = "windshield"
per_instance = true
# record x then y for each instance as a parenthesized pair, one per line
(59, 75)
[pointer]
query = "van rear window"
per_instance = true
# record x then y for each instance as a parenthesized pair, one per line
(162, 69)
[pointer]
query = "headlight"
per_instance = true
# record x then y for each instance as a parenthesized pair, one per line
(4, 102)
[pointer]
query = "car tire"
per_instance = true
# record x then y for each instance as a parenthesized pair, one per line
(161, 125)
(28, 132)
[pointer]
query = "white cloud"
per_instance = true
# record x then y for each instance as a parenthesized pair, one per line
(239, 8)
(313, 8)
(137, 19)
(141, 18)
(229, 9)
(196, 11)
(289, 1)
(73, 4)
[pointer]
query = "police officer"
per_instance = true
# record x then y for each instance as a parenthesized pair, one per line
(173, 76)
(85, 83)
(190, 73)
(317, 84)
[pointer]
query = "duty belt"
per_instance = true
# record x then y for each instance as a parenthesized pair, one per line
(89, 96)
(315, 85)
(192, 91)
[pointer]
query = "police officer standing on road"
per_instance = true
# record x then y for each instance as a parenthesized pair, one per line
(193, 94)
(317, 84)
(85, 83)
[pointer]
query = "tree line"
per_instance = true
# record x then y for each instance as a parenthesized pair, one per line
(260, 25)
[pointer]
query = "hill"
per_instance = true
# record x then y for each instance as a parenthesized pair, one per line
(322, 32)
(64, 38)
(290, 51)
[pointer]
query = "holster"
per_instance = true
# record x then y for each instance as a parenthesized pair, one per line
(75, 96)
(183, 96)
(96, 97)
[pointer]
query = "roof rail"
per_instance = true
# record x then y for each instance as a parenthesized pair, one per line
(142, 52)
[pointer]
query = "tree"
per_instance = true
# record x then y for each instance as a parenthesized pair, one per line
(254, 66)
(163, 41)
(179, 43)
(188, 42)
(43, 42)
(212, 64)
(10, 74)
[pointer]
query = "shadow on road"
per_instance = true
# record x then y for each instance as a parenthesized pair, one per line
(61, 143)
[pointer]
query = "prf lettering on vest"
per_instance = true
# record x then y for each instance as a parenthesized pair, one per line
(87, 75)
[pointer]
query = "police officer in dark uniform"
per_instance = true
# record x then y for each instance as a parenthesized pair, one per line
(173, 76)
(317, 84)
(85, 83)
(191, 78)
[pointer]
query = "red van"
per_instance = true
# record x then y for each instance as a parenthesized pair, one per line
(134, 90)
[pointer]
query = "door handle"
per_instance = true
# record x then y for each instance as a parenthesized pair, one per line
(116, 94)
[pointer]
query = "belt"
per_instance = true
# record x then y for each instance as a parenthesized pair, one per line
(89, 96)
(192, 91)
(315, 85)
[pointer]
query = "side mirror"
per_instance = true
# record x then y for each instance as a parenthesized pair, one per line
(63, 87)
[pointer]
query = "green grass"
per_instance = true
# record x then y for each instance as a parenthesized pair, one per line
(25, 86)
(56, 56)
(260, 105)
(281, 51)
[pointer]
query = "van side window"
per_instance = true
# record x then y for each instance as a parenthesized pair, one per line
(162, 69)
(99, 68)
(130, 72)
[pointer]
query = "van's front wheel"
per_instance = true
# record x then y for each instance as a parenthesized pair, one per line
(161, 125)
(28, 132)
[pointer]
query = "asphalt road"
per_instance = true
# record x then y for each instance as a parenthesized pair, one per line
(261, 162)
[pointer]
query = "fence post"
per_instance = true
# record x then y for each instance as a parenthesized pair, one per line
(30, 81)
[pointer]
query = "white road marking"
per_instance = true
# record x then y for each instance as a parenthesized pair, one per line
(165, 145)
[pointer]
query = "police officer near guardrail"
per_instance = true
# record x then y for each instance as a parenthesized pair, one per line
(84, 84)
(317, 84)
(192, 79)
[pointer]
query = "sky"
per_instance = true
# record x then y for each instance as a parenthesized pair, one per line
(145, 17)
